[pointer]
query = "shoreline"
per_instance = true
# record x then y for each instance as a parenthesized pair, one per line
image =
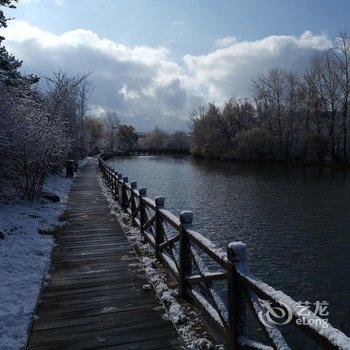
(300, 164)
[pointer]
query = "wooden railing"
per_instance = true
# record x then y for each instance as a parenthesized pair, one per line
(217, 282)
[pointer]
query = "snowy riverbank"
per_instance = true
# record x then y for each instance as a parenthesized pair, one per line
(25, 258)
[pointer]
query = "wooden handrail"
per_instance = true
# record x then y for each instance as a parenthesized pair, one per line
(170, 218)
(208, 247)
(186, 254)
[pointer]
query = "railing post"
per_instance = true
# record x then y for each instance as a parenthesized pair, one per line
(124, 197)
(115, 185)
(158, 237)
(133, 186)
(185, 268)
(120, 179)
(143, 214)
(237, 323)
(113, 182)
(108, 177)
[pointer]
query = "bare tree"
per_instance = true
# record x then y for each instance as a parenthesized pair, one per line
(111, 123)
(93, 130)
(66, 96)
(85, 90)
(128, 136)
(311, 109)
(270, 92)
(238, 115)
(214, 129)
(60, 88)
(328, 89)
(340, 55)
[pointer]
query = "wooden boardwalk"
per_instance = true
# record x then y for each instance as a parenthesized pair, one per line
(94, 298)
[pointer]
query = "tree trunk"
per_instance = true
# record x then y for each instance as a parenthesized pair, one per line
(345, 153)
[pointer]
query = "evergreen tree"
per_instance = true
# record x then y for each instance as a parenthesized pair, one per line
(9, 65)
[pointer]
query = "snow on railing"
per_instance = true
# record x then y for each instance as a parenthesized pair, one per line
(219, 283)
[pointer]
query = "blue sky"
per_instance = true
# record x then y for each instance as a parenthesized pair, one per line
(187, 26)
(168, 56)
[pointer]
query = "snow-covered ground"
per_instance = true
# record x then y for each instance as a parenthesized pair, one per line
(25, 258)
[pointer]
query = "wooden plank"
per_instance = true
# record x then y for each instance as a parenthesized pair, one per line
(117, 269)
(88, 307)
(93, 340)
(122, 316)
(119, 334)
(111, 323)
(94, 298)
(106, 286)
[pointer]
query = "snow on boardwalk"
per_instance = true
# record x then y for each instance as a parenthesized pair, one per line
(94, 298)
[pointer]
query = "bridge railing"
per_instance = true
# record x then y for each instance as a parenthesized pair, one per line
(157, 151)
(219, 283)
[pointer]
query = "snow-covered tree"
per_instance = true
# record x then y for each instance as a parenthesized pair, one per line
(33, 144)
(37, 126)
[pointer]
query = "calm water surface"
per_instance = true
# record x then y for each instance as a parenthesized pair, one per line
(295, 221)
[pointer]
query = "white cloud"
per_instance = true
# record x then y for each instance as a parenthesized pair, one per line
(128, 79)
(129, 94)
(145, 84)
(224, 42)
(57, 2)
(228, 71)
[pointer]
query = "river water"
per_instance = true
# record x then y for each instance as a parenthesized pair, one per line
(295, 221)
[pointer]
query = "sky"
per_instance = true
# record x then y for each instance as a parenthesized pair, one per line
(153, 61)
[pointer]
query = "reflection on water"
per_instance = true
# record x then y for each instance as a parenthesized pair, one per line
(295, 221)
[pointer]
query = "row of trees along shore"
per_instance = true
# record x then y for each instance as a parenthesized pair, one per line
(292, 118)
(106, 132)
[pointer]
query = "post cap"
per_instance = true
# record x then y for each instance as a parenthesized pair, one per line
(125, 179)
(186, 217)
(133, 184)
(160, 201)
(143, 191)
(237, 251)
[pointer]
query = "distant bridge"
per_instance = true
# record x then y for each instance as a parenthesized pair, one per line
(146, 152)
(156, 151)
